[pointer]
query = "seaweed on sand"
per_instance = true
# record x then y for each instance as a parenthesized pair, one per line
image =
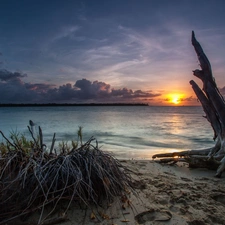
(31, 178)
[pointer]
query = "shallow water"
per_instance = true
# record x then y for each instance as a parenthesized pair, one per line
(127, 131)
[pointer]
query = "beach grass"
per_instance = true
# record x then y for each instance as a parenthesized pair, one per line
(34, 178)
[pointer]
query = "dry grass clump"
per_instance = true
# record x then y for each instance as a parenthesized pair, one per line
(32, 179)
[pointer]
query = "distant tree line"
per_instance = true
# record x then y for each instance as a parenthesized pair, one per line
(71, 104)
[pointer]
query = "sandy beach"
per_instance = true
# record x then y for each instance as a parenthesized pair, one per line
(163, 194)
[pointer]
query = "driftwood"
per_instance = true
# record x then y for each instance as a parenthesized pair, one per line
(214, 107)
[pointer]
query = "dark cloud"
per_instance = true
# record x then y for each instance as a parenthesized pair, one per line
(14, 90)
(142, 94)
(38, 87)
(6, 75)
(167, 99)
(190, 99)
(122, 92)
(128, 93)
(87, 89)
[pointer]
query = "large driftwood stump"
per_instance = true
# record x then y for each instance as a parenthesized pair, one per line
(214, 107)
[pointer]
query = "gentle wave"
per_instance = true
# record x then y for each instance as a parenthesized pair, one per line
(128, 132)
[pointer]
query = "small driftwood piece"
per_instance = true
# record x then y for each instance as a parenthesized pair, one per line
(214, 107)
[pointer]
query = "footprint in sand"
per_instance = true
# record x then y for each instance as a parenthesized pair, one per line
(153, 215)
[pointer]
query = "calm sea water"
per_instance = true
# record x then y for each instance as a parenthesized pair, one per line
(128, 131)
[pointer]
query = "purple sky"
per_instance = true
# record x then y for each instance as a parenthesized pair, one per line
(107, 51)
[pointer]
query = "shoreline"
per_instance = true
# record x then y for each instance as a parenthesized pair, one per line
(163, 194)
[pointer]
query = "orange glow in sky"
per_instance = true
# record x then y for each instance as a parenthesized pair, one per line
(175, 98)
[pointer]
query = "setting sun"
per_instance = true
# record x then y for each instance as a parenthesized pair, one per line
(175, 98)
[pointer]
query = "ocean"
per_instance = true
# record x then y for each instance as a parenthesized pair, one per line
(128, 132)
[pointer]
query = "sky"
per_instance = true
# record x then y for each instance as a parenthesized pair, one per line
(91, 51)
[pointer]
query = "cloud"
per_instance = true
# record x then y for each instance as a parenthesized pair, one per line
(12, 88)
(129, 94)
(89, 90)
(65, 32)
(190, 99)
(39, 88)
(15, 90)
(119, 53)
(187, 100)
(5, 75)
(131, 52)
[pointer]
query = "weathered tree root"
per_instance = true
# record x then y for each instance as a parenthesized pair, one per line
(214, 107)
